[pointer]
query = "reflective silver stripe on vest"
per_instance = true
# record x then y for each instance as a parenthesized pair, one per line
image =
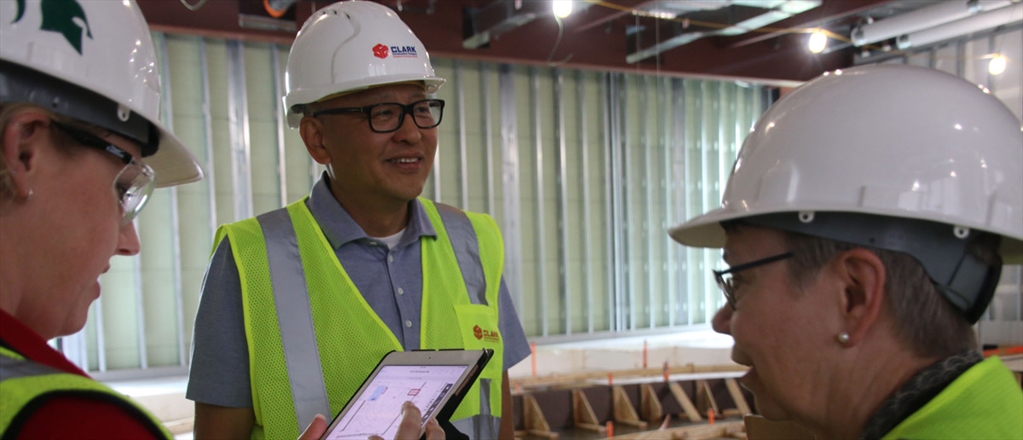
(12, 368)
(466, 246)
(467, 251)
(294, 317)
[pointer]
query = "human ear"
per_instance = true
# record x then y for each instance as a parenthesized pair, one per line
(862, 275)
(22, 138)
(311, 130)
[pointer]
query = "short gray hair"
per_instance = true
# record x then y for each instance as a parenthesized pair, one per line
(923, 319)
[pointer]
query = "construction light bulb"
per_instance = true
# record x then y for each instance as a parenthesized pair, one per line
(997, 64)
(818, 41)
(562, 8)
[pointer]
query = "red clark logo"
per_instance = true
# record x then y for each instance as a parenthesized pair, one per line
(380, 51)
(488, 335)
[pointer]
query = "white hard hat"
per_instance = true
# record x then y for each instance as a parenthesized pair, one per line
(888, 140)
(350, 46)
(890, 143)
(93, 61)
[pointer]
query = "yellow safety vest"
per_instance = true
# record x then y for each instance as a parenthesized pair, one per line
(24, 382)
(985, 402)
(313, 339)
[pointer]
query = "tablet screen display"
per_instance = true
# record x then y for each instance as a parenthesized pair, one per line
(377, 411)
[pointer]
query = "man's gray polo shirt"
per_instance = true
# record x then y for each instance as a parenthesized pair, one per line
(389, 279)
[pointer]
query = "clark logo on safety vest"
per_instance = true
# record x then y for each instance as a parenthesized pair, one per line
(487, 335)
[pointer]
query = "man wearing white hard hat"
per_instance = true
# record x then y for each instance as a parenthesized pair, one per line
(866, 221)
(82, 149)
(300, 304)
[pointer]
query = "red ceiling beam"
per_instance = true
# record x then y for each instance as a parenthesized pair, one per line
(780, 61)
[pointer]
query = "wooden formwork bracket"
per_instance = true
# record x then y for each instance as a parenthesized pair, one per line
(536, 423)
(624, 411)
(737, 397)
(650, 405)
(734, 429)
(583, 415)
(683, 400)
(705, 398)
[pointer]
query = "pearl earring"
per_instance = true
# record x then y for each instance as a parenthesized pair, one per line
(843, 338)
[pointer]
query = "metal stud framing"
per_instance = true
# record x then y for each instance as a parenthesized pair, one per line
(584, 173)
(561, 165)
(644, 286)
(540, 233)
(463, 160)
(167, 113)
(279, 123)
(238, 108)
(510, 179)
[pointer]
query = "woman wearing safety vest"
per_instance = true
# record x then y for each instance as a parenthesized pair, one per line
(82, 149)
(866, 221)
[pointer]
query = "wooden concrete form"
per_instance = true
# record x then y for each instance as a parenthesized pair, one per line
(523, 384)
(718, 430)
(536, 423)
(607, 391)
(582, 413)
(624, 412)
(690, 410)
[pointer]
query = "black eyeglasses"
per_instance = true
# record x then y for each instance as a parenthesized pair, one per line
(727, 283)
(388, 116)
(132, 185)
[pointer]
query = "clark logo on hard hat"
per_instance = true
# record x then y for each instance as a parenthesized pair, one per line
(331, 55)
(404, 51)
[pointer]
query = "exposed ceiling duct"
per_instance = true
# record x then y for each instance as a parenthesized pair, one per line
(682, 22)
(923, 18)
(976, 23)
(480, 25)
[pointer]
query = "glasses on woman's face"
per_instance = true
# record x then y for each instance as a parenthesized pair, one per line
(133, 184)
(387, 117)
(727, 282)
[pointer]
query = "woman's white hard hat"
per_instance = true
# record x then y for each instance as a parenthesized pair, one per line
(93, 61)
(886, 140)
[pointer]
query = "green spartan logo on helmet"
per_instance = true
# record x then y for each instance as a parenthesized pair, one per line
(59, 16)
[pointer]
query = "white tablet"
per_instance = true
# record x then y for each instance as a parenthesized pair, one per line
(435, 381)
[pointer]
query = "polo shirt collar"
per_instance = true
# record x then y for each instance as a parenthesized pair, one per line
(340, 228)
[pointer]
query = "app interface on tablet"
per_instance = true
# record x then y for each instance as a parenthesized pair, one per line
(378, 410)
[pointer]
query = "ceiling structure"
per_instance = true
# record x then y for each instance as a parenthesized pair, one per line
(756, 40)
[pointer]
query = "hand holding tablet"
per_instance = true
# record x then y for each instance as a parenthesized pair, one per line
(434, 381)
